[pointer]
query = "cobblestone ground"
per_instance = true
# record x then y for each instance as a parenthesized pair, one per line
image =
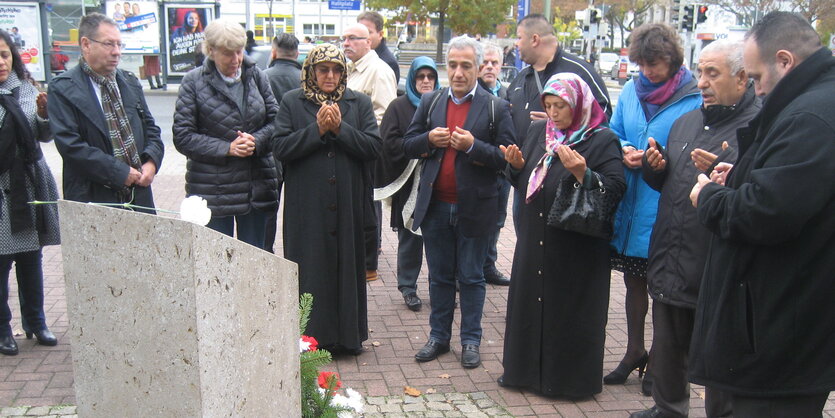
(39, 378)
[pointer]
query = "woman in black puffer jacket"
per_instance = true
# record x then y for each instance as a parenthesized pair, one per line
(224, 124)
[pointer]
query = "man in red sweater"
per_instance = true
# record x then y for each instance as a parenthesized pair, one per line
(457, 132)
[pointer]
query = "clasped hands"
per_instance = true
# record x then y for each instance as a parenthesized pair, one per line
(571, 159)
(242, 146)
(142, 178)
(329, 117)
(459, 139)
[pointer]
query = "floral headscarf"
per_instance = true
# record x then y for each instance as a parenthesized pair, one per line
(586, 121)
(323, 53)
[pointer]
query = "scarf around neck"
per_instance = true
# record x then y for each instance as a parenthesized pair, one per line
(118, 125)
(587, 116)
(654, 95)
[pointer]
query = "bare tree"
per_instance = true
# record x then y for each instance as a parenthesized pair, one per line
(627, 15)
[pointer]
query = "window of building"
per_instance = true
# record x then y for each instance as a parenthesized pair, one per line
(318, 29)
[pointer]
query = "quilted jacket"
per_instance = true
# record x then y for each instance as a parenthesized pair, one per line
(206, 121)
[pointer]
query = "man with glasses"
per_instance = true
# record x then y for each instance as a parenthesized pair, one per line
(103, 129)
(369, 75)
(374, 22)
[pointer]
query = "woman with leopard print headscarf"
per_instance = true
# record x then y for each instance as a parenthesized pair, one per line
(326, 136)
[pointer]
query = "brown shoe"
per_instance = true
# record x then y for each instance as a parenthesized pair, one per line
(371, 275)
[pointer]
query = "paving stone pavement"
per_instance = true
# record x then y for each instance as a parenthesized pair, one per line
(39, 378)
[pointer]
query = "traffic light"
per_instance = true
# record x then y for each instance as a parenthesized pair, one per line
(702, 16)
(674, 11)
(687, 16)
(594, 16)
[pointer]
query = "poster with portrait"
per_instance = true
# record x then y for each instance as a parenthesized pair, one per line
(22, 21)
(184, 25)
(138, 23)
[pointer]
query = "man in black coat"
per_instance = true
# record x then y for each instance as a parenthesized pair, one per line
(285, 74)
(765, 322)
(103, 129)
(538, 46)
(374, 22)
(456, 206)
(679, 243)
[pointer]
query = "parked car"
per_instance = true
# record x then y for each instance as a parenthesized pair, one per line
(632, 69)
(261, 54)
(605, 61)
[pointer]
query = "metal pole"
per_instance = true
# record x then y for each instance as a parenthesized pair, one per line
(548, 10)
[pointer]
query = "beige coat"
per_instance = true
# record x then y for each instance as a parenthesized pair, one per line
(371, 76)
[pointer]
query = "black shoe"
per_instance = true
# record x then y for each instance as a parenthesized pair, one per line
(497, 278)
(431, 351)
(413, 302)
(470, 359)
(44, 336)
(619, 375)
(653, 412)
(500, 381)
(8, 346)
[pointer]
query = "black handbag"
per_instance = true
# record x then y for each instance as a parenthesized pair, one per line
(588, 211)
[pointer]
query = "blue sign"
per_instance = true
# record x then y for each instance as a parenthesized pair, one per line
(522, 9)
(344, 4)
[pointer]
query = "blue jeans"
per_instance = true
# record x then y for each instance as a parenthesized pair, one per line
(450, 256)
(492, 253)
(251, 227)
(29, 273)
(409, 260)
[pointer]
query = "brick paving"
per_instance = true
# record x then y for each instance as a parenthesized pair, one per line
(39, 381)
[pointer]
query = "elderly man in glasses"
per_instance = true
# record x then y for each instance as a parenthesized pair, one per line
(103, 129)
(369, 75)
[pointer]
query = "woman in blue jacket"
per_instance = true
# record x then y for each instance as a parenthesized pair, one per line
(646, 110)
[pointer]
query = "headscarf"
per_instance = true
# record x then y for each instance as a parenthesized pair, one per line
(586, 120)
(418, 64)
(323, 53)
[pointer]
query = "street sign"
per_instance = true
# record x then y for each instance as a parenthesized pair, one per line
(344, 4)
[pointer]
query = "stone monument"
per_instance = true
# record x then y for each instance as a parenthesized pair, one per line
(172, 319)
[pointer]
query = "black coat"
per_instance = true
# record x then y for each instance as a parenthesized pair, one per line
(476, 173)
(284, 75)
(559, 288)
(385, 54)
(523, 93)
(91, 172)
(206, 121)
(679, 242)
(393, 161)
(765, 321)
(325, 194)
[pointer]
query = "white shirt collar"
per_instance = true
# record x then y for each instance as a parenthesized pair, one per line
(468, 96)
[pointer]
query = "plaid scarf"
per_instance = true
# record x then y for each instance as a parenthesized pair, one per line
(118, 126)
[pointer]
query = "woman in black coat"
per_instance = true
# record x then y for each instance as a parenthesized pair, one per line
(325, 136)
(559, 287)
(224, 124)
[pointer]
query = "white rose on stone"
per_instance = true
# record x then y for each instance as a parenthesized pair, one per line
(194, 209)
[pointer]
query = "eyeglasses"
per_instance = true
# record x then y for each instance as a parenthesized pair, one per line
(352, 38)
(337, 70)
(110, 45)
(429, 76)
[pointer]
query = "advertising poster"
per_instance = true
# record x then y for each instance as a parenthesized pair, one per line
(184, 25)
(22, 22)
(139, 24)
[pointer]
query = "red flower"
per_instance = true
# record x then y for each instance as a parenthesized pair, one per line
(312, 341)
(329, 381)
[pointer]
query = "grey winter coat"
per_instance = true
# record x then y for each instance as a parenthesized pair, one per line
(206, 121)
(679, 242)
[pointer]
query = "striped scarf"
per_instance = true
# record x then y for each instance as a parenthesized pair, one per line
(118, 126)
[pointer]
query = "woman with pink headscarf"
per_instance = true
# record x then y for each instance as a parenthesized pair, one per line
(559, 287)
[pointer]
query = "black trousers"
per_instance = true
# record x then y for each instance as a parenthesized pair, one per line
(809, 406)
(672, 327)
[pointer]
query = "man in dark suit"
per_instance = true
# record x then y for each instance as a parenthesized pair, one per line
(457, 132)
(103, 129)
(285, 74)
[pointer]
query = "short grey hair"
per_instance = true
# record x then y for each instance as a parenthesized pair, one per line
(464, 42)
(89, 25)
(732, 50)
(491, 47)
(223, 33)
